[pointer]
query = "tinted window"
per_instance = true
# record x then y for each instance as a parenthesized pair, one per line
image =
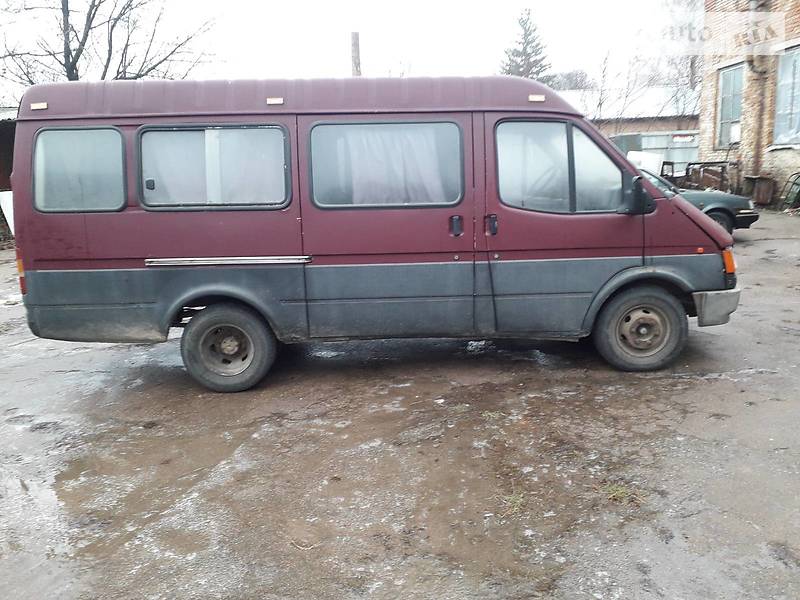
(78, 170)
(533, 165)
(214, 166)
(598, 181)
(385, 164)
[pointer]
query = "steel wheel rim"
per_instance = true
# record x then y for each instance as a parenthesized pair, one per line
(226, 350)
(643, 330)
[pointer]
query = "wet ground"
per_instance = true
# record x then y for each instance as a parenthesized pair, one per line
(412, 469)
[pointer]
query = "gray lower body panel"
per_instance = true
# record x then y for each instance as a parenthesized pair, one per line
(530, 298)
(533, 296)
(391, 300)
(138, 305)
(123, 323)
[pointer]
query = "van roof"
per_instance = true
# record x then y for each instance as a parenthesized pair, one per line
(88, 100)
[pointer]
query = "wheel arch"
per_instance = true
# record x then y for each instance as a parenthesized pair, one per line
(210, 295)
(667, 279)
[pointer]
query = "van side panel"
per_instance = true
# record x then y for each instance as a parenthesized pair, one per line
(432, 298)
(41, 236)
(138, 305)
(544, 268)
(549, 297)
(388, 270)
(87, 273)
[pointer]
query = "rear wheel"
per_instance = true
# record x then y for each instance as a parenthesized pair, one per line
(641, 329)
(228, 348)
(723, 219)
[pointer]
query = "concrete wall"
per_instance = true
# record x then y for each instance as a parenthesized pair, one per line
(755, 152)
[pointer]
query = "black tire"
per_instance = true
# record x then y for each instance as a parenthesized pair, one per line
(641, 329)
(228, 347)
(723, 219)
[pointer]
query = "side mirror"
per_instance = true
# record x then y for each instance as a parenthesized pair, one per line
(635, 199)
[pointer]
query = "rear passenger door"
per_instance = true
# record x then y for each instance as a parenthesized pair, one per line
(388, 220)
(552, 233)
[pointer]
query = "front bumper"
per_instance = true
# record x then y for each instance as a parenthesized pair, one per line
(715, 308)
(745, 218)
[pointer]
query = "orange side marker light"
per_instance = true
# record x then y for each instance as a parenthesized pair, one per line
(21, 273)
(729, 261)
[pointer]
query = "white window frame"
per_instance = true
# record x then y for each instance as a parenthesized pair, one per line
(793, 89)
(719, 142)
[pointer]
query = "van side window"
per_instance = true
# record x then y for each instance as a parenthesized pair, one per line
(78, 170)
(534, 160)
(533, 165)
(214, 166)
(386, 164)
(598, 181)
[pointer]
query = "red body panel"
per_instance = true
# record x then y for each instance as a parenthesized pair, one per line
(705, 223)
(372, 235)
(668, 231)
(526, 234)
(125, 238)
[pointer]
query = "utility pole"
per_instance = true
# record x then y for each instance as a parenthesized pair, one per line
(355, 52)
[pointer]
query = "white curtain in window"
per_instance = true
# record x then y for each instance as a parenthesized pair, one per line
(397, 164)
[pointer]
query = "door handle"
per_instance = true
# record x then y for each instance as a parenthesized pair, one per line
(456, 225)
(491, 224)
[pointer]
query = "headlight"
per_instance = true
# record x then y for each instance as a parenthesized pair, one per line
(752, 205)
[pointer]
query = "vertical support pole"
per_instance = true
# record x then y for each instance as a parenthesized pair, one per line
(355, 51)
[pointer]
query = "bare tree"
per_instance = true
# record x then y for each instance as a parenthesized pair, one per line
(94, 39)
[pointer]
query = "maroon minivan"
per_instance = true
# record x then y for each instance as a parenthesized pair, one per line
(249, 212)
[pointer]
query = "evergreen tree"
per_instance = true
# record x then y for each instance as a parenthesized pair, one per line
(527, 58)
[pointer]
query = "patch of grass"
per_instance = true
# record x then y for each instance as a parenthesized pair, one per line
(512, 503)
(620, 493)
(492, 415)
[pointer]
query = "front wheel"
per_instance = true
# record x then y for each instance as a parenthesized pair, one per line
(228, 348)
(641, 329)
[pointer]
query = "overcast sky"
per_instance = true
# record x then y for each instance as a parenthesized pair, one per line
(261, 39)
(312, 39)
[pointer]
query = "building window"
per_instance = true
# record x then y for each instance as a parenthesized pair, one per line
(533, 169)
(78, 170)
(386, 164)
(787, 103)
(729, 109)
(214, 166)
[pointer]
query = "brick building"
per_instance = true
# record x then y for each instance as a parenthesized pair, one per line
(661, 120)
(750, 105)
